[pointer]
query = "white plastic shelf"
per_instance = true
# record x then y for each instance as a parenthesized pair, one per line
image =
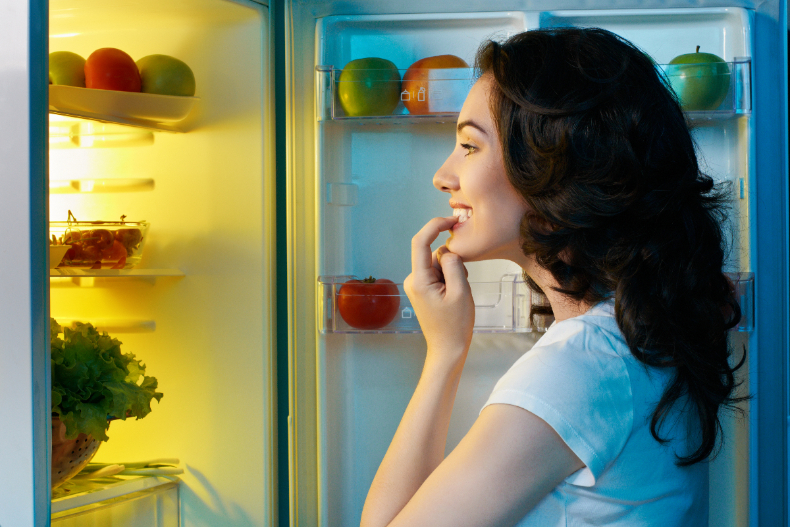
(446, 89)
(500, 307)
(117, 500)
(140, 110)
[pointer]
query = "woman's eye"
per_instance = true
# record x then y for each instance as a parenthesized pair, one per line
(469, 148)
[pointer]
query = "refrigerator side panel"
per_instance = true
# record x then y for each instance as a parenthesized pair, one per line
(24, 343)
(770, 344)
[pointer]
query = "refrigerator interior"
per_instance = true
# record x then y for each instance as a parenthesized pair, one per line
(373, 191)
(198, 309)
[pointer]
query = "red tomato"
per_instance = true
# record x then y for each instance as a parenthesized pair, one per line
(368, 303)
(111, 69)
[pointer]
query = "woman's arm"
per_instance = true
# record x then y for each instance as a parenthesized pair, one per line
(510, 458)
(417, 447)
(442, 300)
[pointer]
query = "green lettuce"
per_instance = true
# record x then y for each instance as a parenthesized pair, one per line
(92, 381)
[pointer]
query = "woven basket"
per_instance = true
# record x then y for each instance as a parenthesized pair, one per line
(69, 456)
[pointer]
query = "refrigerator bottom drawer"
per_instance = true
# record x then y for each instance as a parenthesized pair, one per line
(134, 502)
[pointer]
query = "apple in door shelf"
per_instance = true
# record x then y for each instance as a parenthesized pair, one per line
(66, 69)
(166, 75)
(369, 87)
(700, 80)
(435, 85)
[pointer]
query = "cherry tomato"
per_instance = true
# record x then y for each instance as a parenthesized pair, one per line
(112, 69)
(74, 254)
(101, 238)
(91, 253)
(130, 238)
(368, 303)
(120, 264)
(114, 252)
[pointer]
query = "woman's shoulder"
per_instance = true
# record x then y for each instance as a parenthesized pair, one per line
(595, 331)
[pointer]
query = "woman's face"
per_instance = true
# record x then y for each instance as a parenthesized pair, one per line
(489, 208)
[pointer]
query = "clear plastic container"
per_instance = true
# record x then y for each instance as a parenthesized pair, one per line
(100, 244)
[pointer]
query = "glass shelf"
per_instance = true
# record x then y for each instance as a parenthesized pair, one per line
(71, 272)
(67, 132)
(500, 307)
(70, 276)
(439, 98)
(112, 325)
(71, 186)
(118, 500)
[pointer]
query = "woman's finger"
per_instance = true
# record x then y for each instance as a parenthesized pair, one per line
(454, 272)
(421, 256)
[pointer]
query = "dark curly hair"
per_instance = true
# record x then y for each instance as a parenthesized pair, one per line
(598, 146)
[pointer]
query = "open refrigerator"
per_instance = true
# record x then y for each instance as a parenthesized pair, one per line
(256, 221)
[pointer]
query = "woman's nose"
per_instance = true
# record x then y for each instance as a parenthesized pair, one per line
(445, 178)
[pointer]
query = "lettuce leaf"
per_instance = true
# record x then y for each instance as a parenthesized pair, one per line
(93, 381)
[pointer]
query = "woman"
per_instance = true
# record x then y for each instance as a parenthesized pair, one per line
(573, 160)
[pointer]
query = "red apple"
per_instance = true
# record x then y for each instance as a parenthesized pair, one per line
(425, 90)
(111, 69)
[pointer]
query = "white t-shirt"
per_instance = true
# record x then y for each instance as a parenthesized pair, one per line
(582, 379)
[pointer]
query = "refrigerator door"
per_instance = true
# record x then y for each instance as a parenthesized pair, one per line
(24, 296)
(357, 188)
(199, 309)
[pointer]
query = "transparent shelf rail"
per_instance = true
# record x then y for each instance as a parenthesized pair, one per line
(117, 500)
(507, 306)
(437, 95)
(500, 307)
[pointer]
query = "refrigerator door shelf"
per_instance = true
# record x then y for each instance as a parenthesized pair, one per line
(500, 307)
(124, 501)
(439, 98)
(507, 306)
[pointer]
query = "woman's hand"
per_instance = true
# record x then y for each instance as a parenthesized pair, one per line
(440, 294)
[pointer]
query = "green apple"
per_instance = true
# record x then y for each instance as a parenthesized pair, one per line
(369, 86)
(701, 80)
(166, 75)
(66, 68)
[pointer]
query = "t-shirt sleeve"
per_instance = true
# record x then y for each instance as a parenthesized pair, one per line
(576, 382)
